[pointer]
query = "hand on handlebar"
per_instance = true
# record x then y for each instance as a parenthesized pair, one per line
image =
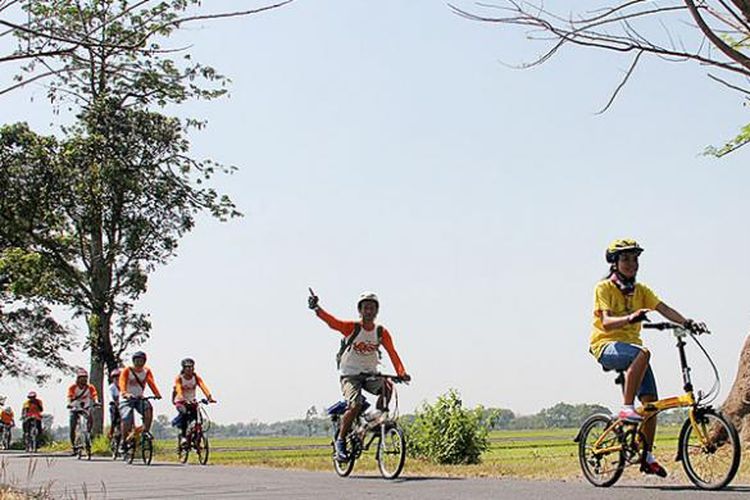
(405, 377)
(638, 316)
(695, 326)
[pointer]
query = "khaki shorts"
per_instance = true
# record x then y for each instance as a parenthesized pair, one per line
(352, 387)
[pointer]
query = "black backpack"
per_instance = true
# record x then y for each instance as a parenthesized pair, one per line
(347, 342)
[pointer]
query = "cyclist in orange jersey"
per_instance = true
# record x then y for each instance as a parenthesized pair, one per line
(360, 355)
(132, 383)
(31, 413)
(81, 396)
(184, 395)
(7, 417)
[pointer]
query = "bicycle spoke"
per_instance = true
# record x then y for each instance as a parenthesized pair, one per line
(710, 452)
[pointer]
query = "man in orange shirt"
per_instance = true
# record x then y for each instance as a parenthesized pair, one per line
(361, 355)
(132, 383)
(81, 397)
(31, 413)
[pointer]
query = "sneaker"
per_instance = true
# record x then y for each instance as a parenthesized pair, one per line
(341, 454)
(630, 415)
(653, 468)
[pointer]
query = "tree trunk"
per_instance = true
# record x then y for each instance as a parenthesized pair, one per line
(102, 361)
(737, 405)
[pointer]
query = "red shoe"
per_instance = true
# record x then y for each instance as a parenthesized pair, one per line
(653, 468)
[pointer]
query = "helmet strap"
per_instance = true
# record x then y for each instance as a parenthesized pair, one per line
(624, 284)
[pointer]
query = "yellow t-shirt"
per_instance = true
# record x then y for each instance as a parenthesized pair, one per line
(607, 297)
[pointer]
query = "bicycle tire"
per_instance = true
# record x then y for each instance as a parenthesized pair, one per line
(34, 441)
(343, 469)
(591, 464)
(114, 446)
(183, 450)
(87, 444)
(78, 445)
(724, 456)
(129, 455)
(147, 450)
(391, 443)
(202, 448)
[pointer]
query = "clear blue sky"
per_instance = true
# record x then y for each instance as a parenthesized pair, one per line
(383, 146)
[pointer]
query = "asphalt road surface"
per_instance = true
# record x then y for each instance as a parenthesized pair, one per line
(68, 478)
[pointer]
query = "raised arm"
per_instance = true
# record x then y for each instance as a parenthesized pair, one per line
(344, 327)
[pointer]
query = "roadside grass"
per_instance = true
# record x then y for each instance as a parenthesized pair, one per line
(547, 454)
(535, 454)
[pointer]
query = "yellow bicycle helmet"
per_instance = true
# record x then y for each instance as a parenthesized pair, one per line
(619, 246)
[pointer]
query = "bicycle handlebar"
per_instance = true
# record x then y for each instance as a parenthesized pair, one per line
(697, 329)
(395, 378)
(144, 398)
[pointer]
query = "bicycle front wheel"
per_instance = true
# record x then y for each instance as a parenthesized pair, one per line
(600, 451)
(391, 452)
(114, 446)
(202, 449)
(710, 450)
(183, 450)
(129, 456)
(147, 450)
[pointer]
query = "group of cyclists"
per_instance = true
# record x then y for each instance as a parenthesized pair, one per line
(127, 396)
(621, 304)
(620, 307)
(31, 415)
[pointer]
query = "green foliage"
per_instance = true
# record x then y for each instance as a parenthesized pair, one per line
(447, 433)
(85, 218)
(124, 37)
(737, 142)
(100, 445)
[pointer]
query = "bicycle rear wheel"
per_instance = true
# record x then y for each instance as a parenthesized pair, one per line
(391, 452)
(202, 449)
(711, 452)
(147, 450)
(343, 469)
(603, 463)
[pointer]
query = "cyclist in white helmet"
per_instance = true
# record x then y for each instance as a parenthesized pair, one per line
(81, 396)
(360, 354)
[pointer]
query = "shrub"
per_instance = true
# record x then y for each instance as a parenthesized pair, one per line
(447, 433)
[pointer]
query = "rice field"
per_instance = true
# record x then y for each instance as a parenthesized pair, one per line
(531, 454)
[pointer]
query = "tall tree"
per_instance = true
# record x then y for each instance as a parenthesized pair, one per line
(712, 33)
(122, 185)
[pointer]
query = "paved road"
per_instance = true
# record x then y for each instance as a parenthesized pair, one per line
(68, 478)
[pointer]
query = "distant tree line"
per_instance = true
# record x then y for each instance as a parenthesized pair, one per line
(561, 415)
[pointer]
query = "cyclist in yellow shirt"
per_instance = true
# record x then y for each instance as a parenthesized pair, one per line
(620, 305)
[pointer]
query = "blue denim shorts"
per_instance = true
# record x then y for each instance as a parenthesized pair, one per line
(619, 355)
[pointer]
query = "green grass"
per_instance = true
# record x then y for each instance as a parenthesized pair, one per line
(533, 454)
